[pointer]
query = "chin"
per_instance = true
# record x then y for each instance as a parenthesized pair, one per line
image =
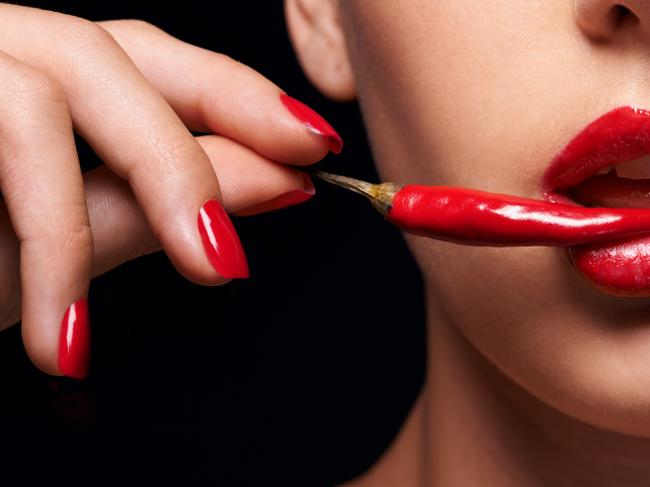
(582, 352)
(600, 378)
(620, 408)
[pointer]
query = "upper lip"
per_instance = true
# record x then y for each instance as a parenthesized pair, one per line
(620, 135)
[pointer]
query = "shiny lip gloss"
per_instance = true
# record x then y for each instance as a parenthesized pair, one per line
(622, 267)
(618, 136)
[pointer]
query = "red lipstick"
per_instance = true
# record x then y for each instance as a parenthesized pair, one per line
(585, 172)
(618, 136)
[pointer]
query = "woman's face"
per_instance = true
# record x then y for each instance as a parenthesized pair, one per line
(484, 95)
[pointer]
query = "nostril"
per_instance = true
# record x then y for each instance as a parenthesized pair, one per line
(623, 15)
(602, 21)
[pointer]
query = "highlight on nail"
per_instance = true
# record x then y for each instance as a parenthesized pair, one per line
(74, 340)
(221, 242)
(315, 123)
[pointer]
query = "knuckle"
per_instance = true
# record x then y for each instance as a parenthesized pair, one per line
(167, 155)
(31, 97)
(233, 69)
(135, 34)
(67, 232)
(33, 87)
(226, 60)
(78, 237)
(79, 32)
(136, 26)
(84, 45)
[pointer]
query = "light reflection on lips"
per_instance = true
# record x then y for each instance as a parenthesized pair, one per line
(620, 268)
(618, 136)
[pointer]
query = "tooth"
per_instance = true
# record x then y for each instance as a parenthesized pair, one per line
(606, 169)
(634, 169)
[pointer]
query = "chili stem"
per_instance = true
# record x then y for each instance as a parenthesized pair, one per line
(380, 195)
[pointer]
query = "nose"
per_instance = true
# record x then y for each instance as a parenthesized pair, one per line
(603, 20)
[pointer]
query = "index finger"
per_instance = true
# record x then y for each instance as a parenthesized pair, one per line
(214, 93)
(134, 131)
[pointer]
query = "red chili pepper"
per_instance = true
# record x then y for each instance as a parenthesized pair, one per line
(476, 217)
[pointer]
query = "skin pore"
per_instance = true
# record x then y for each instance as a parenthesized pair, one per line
(534, 377)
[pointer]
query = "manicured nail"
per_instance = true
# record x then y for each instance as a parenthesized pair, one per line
(314, 122)
(221, 242)
(74, 340)
(290, 198)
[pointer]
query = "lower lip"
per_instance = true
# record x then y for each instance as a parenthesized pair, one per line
(620, 268)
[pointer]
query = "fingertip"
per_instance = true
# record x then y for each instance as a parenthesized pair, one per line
(59, 345)
(335, 143)
(208, 279)
(43, 358)
(314, 123)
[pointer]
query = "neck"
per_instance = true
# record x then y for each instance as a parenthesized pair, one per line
(471, 425)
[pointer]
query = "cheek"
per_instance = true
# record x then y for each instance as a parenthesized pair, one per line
(468, 93)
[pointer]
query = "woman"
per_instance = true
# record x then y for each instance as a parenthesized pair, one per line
(534, 376)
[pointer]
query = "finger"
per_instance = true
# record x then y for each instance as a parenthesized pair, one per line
(41, 182)
(212, 92)
(251, 184)
(132, 128)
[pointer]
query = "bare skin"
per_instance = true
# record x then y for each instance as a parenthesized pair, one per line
(534, 378)
(471, 425)
(116, 84)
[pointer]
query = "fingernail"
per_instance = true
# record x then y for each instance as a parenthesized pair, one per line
(74, 340)
(290, 198)
(221, 242)
(314, 122)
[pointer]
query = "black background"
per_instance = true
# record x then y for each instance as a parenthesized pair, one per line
(299, 376)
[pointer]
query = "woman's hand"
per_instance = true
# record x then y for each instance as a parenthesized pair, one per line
(131, 91)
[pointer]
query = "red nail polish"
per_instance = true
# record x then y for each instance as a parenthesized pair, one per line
(290, 198)
(221, 242)
(314, 122)
(74, 340)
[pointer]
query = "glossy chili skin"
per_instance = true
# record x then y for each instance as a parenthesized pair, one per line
(480, 218)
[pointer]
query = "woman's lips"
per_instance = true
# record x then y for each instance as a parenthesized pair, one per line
(621, 267)
(618, 136)
(611, 191)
